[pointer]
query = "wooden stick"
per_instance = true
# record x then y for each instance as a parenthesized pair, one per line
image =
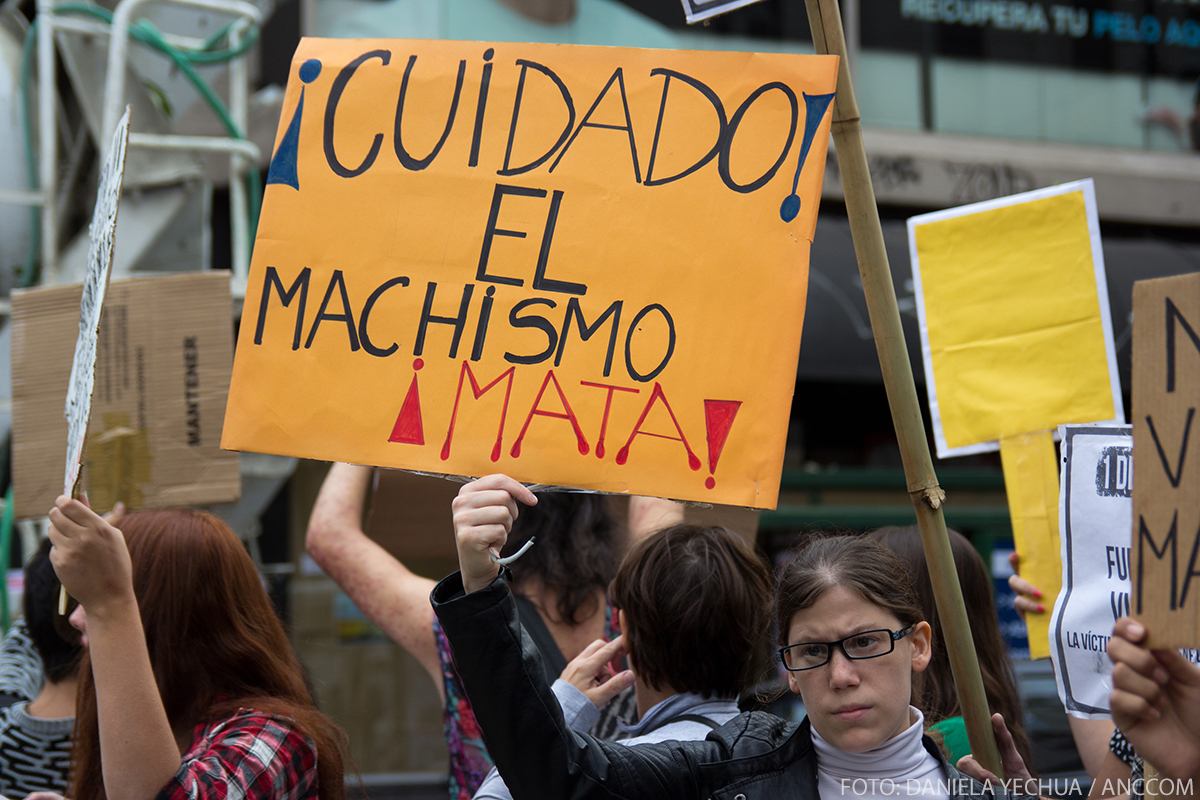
(825, 20)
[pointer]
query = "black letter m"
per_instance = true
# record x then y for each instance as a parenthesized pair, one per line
(1159, 553)
(285, 297)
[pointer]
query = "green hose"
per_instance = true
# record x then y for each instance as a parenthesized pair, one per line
(6, 533)
(147, 34)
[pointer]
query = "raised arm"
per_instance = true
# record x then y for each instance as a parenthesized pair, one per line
(138, 752)
(386, 591)
(536, 752)
(650, 514)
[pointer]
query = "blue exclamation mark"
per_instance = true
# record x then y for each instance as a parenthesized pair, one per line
(815, 106)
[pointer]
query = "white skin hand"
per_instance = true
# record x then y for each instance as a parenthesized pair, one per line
(484, 511)
(590, 671)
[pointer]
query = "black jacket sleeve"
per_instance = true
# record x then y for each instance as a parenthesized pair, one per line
(537, 754)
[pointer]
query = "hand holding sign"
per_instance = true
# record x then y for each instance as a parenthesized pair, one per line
(1156, 702)
(89, 555)
(484, 512)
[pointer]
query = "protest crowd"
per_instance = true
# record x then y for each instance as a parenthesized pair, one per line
(598, 637)
(187, 687)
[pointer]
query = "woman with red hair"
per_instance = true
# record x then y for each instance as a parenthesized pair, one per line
(190, 688)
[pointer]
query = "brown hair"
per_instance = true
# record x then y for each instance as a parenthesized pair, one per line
(853, 562)
(695, 602)
(934, 690)
(215, 643)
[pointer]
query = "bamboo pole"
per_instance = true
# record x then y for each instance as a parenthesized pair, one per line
(825, 20)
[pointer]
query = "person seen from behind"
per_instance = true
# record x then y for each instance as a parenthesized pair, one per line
(35, 736)
(693, 607)
(189, 686)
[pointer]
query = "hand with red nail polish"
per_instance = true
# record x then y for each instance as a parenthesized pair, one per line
(1027, 594)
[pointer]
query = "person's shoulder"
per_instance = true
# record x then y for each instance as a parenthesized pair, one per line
(261, 736)
(758, 733)
(266, 755)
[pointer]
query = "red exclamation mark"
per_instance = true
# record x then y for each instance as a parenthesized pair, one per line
(408, 428)
(718, 419)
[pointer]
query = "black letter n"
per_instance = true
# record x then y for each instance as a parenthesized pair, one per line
(1174, 316)
(285, 297)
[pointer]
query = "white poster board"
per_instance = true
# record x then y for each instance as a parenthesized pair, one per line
(1095, 520)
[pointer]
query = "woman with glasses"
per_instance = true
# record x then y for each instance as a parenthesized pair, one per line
(851, 637)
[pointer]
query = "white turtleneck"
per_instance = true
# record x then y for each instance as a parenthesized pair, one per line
(899, 768)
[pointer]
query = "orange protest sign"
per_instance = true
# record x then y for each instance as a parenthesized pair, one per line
(582, 266)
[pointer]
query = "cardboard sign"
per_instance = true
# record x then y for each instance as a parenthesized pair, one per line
(582, 266)
(1166, 487)
(163, 359)
(1096, 512)
(1015, 331)
(101, 235)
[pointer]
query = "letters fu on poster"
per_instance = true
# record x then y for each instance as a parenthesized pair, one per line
(581, 266)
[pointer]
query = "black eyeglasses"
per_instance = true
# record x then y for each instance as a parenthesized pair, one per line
(868, 644)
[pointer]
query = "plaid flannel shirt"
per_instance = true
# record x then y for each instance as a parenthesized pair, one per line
(249, 756)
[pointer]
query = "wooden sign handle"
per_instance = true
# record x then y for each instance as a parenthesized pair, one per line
(825, 20)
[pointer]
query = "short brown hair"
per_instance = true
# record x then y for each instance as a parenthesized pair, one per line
(695, 602)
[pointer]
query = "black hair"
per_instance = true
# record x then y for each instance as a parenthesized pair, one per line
(60, 657)
(577, 548)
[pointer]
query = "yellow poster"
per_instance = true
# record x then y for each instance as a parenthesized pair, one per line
(1013, 309)
(581, 266)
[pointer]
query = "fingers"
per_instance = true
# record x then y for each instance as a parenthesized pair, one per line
(1027, 594)
(114, 516)
(73, 511)
(1177, 667)
(503, 483)
(610, 688)
(1004, 739)
(1137, 675)
(1026, 606)
(1010, 757)
(1014, 561)
(1131, 660)
(1129, 707)
(601, 652)
(969, 766)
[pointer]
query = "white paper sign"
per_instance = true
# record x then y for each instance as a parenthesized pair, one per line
(697, 10)
(101, 236)
(1095, 520)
